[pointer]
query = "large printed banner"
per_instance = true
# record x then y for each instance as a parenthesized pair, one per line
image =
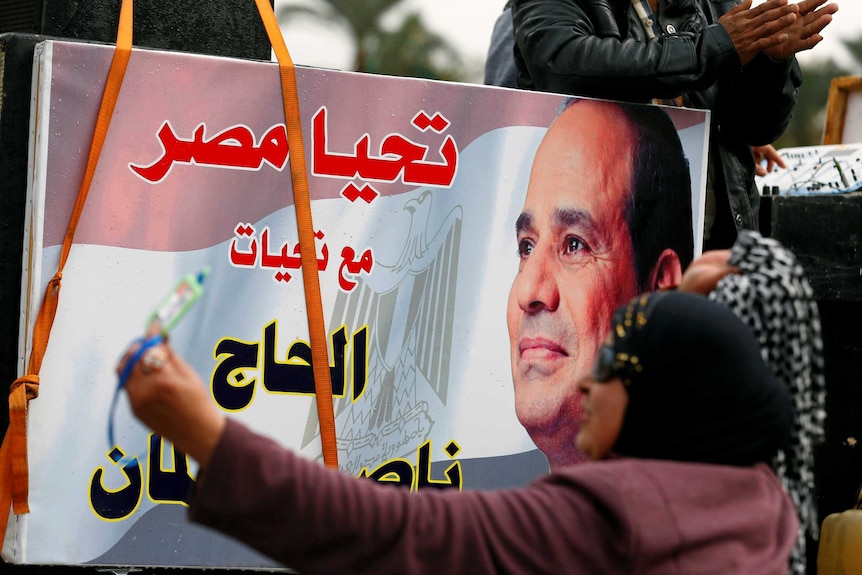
(415, 185)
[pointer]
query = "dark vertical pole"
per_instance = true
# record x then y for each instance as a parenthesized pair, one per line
(16, 63)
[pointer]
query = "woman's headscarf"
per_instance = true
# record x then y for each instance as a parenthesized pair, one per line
(772, 296)
(698, 388)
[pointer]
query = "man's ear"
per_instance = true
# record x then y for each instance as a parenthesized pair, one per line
(667, 271)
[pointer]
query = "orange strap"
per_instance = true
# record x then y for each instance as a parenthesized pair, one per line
(310, 279)
(14, 472)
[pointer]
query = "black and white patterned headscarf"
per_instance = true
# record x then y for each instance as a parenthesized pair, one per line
(772, 296)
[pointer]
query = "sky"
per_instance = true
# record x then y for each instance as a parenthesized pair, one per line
(467, 25)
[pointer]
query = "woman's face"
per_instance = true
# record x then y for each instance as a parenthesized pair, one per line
(604, 409)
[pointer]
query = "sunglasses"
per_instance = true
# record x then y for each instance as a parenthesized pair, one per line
(610, 364)
(604, 369)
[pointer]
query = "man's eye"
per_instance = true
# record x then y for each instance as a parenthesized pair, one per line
(525, 248)
(574, 244)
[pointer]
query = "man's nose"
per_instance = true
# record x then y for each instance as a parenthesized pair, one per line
(537, 283)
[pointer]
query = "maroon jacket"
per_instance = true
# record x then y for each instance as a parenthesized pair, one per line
(617, 516)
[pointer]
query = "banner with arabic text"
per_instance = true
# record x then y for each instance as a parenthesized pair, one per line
(415, 189)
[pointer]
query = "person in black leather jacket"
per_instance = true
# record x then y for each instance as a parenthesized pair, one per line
(722, 55)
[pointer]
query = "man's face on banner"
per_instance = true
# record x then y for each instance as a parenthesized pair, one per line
(576, 267)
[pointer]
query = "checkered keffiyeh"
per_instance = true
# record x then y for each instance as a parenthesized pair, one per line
(772, 296)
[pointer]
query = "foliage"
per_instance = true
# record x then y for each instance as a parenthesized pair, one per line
(410, 49)
(413, 50)
(806, 128)
(854, 48)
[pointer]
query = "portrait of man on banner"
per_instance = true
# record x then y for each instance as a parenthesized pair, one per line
(607, 215)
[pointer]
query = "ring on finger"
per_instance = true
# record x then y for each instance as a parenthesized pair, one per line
(152, 361)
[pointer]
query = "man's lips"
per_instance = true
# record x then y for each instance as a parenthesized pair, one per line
(540, 348)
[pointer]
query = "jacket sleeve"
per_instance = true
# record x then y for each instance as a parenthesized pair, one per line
(759, 105)
(318, 520)
(563, 49)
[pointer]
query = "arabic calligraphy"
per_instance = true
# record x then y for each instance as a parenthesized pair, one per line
(233, 147)
(172, 484)
(233, 389)
(401, 472)
(353, 266)
(398, 158)
(249, 251)
(165, 484)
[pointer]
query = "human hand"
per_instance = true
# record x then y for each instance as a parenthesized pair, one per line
(753, 30)
(167, 395)
(704, 273)
(772, 157)
(804, 34)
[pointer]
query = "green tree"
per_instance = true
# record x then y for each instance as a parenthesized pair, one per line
(411, 49)
(854, 47)
(806, 128)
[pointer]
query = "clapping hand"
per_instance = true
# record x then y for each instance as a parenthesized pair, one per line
(804, 33)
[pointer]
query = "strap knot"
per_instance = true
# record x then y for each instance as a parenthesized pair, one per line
(54, 284)
(30, 383)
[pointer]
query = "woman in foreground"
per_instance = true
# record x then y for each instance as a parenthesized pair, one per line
(681, 416)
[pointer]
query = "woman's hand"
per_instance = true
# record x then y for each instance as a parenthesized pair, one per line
(704, 273)
(169, 397)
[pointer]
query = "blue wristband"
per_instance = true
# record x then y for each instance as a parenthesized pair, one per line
(124, 377)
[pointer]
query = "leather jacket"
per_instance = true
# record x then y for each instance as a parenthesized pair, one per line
(598, 48)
